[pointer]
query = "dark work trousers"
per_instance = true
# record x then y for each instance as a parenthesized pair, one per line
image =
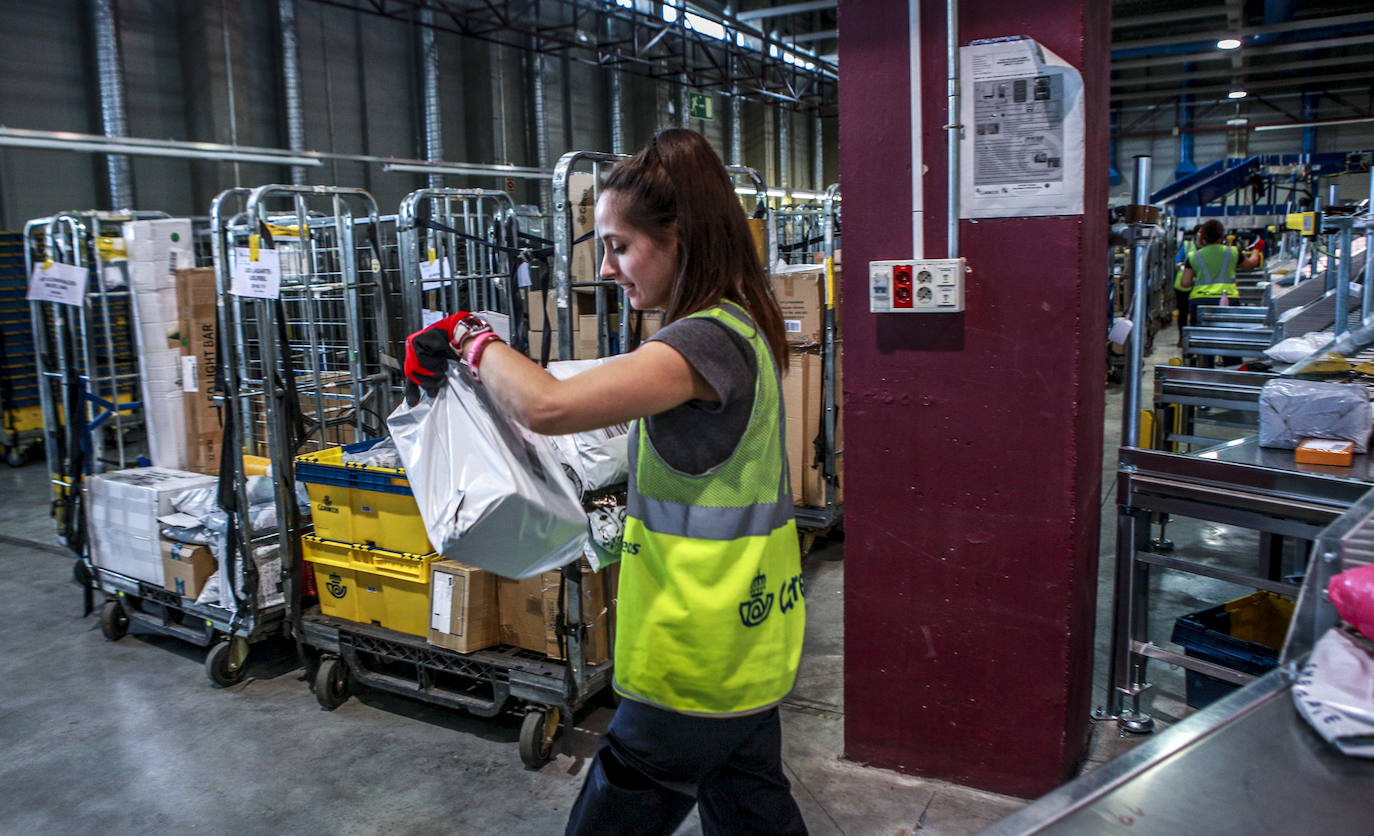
(653, 765)
(1184, 309)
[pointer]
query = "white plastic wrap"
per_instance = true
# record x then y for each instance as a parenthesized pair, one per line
(595, 459)
(491, 493)
(1294, 349)
(1335, 693)
(1291, 410)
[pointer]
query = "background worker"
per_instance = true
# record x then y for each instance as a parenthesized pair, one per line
(1185, 252)
(710, 610)
(1209, 274)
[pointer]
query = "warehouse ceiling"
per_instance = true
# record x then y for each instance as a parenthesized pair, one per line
(1293, 57)
(699, 44)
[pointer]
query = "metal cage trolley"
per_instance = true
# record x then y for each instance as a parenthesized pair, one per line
(86, 358)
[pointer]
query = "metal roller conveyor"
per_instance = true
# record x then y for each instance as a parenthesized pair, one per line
(1243, 763)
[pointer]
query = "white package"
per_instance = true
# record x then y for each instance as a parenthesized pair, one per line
(1335, 693)
(1291, 410)
(1294, 349)
(594, 459)
(491, 493)
(122, 508)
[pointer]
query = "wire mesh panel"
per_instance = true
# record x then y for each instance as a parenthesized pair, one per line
(459, 250)
(800, 231)
(313, 365)
(86, 355)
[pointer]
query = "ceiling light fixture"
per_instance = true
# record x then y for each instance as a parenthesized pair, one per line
(1237, 94)
(1228, 43)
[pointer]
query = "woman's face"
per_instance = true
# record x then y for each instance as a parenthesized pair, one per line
(642, 266)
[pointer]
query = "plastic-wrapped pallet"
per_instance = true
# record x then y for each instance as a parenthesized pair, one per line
(122, 510)
(1291, 410)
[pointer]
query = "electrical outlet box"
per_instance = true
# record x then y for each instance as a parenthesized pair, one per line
(932, 285)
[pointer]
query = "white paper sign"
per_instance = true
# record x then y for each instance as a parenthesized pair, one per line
(434, 273)
(64, 284)
(1022, 145)
(259, 279)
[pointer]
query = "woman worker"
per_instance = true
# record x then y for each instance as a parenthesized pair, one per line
(710, 610)
(1210, 272)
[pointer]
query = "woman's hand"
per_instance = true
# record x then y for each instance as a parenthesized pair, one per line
(429, 350)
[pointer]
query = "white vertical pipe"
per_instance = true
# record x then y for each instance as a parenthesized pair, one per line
(818, 146)
(952, 126)
(918, 197)
(1368, 296)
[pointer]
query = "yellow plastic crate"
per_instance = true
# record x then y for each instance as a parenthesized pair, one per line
(372, 586)
(354, 503)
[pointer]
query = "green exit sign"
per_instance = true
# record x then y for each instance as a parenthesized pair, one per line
(700, 106)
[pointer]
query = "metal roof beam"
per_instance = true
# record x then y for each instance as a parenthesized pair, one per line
(1247, 32)
(1298, 81)
(1250, 71)
(790, 9)
(1168, 17)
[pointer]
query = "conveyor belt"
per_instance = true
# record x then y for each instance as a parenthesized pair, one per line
(1245, 764)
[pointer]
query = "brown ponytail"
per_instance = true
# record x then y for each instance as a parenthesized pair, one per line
(678, 178)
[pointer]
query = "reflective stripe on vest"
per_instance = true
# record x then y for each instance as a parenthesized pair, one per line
(1189, 247)
(711, 611)
(1209, 281)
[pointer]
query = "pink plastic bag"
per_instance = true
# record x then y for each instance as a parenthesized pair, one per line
(1352, 593)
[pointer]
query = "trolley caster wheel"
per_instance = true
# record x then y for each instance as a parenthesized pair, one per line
(331, 684)
(16, 457)
(537, 733)
(225, 663)
(114, 622)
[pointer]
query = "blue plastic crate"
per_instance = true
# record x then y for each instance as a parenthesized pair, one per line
(1244, 635)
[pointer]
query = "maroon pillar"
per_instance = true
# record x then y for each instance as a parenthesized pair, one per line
(974, 440)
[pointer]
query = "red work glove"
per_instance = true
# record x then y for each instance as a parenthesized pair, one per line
(1259, 245)
(428, 352)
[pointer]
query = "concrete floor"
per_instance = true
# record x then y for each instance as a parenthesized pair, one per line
(130, 737)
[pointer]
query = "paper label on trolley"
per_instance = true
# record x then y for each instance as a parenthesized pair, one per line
(259, 279)
(64, 284)
(522, 275)
(433, 274)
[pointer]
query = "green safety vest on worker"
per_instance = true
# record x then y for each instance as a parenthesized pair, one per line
(1214, 271)
(711, 609)
(1190, 247)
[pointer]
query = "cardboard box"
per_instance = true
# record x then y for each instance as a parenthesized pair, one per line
(163, 239)
(584, 339)
(758, 230)
(529, 612)
(463, 609)
(122, 510)
(196, 300)
(597, 612)
(520, 610)
(537, 345)
(802, 421)
(582, 264)
(185, 568)
(800, 296)
(581, 300)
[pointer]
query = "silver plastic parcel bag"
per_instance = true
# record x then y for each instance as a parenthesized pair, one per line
(595, 459)
(491, 493)
(1291, 410)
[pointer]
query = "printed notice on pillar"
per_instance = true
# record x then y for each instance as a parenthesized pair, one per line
(1022, 142)
(259, 279)
(64, 284)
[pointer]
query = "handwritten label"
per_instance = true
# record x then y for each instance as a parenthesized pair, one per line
(259, 279)
(64, 284)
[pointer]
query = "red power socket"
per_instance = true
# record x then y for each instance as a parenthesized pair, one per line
(901, 286)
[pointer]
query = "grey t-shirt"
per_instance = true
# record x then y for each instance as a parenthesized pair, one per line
(699, 435)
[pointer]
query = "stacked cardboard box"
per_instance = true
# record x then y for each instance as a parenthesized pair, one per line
(196, 300)
(583, 308)
(800, 292)
(185, 568)
(463, 613)
(123, 507)
(529, 612)
(156, 249)
(804, 402)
